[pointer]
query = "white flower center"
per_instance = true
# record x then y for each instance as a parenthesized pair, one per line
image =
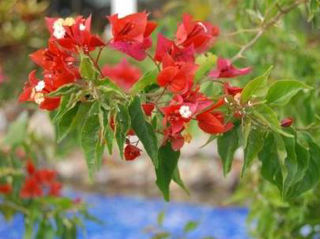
(82, 27)
(203, 27)
(38, 98)
(40, 86)
(185, 111)
(59, 32)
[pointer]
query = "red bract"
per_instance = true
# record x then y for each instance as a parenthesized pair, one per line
(31, 189)
(212, 122)
(231, 90)
(35, 90)
(131, 34)
(177, 77)
(131, 152)
(31, 169)
(55, 189)
(226, 70)
(123, 74)
(198, 34)
(73, 34)
(45, 176)
(55, 60)
(287, 122)
(148, 108)
(5, 188)
(166, 47)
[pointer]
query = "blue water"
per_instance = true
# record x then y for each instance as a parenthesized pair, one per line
(127, 218)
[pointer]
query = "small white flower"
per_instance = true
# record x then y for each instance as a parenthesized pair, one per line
(40, 86)
(58, 23)
(203, 27)
(82, 27)
(59, 32)
(185, 111)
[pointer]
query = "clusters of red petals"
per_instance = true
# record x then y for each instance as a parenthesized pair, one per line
(59, 60)
(40, 182)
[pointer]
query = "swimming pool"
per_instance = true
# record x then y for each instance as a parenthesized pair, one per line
(127, 217)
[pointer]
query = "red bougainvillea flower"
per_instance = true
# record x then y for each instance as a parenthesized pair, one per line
(177, 140)
(31, 188)
(287, 122)
(73, 34)
(5, 188)
(167, 47)
(54, 59)
(123, 74)
(148, 108)
(55, 189)
(131, 34)
(131, 152)
(212, 122)
(177, 76)
(226, 70)
(45, 176)
(31, 169)
(198, 34)
(231, 90)
(36, 90)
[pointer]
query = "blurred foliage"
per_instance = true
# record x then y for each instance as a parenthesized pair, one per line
(43, 216)
(22, 30)
(272, 218)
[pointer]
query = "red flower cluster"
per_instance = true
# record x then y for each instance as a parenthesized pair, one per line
(131, 34)
(39, 183)
(122, 74)
(5, 188)
(68, 37)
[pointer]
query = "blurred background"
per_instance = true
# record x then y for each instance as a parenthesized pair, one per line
(292, 47)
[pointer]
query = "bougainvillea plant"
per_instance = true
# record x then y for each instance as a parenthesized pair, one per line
(35, 193)
(116, 104)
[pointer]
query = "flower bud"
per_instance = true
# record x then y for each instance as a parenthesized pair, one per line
(287, 122)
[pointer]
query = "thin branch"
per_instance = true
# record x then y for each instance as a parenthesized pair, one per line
(265, 27)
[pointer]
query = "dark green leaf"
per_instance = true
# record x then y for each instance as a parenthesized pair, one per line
(143, 130)
(91, 139)
(255, 143)
(168, 161)
(227, 145)
(122, 125)
(281, 92)
(65, 122)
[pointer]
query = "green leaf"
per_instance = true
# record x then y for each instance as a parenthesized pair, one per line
(160, 218)
(108, 132)
(107, 87)
(65, 122)
(65, 90)
(87, 68)
(255, 143)
(281, 92)
(143, 130)
(17, 130)
(178, 180)
(271, 168)
(168, 161)
(122, 125)
(205, 63)
(147, 79)
(90, 139)
(190, 226)
(254, 87)
(269, 118)
(227, 145)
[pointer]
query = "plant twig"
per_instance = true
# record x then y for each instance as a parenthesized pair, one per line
(265, 27)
